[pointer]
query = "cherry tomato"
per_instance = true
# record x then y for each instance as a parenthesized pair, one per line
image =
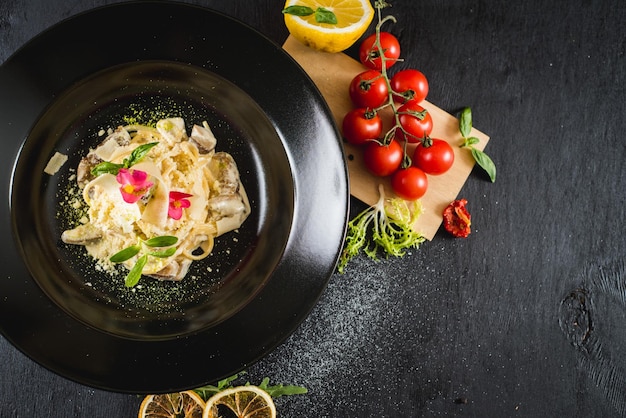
(369, 89)
(415, 120)
(370, 55)
(360, 125)
(409, 85)
(434, 156)
(409, 183)
(383, 160)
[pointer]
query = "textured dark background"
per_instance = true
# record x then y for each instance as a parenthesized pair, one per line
(526, 317)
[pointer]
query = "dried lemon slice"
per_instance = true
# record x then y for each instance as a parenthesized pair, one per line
(186, 404)
(242, 401)
(353, 19)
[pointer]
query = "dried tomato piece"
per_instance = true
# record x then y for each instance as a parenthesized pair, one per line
(456, 219)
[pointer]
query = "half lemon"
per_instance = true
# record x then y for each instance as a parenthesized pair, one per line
(353, 19)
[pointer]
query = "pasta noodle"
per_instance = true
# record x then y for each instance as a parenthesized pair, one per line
(158, 182)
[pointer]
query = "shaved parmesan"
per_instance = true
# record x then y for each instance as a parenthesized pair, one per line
(55, 163)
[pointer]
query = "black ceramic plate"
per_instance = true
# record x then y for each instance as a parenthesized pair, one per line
(60, 91)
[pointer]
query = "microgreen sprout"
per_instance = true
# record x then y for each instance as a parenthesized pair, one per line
(113, 168)
(160, 247)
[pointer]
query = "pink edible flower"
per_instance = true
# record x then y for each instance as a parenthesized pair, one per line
(134, 183)
(178, 202)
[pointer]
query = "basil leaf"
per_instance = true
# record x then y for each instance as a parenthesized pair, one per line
(163, 254)
(471, 140)
(323, 15)
(298, 11)
(138, 154)
(164, 241)
(465, 124)
(106, 167)
(485, 162)
(125, 254)
(135, 273)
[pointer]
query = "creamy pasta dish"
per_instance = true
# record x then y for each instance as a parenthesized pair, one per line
(157, 198)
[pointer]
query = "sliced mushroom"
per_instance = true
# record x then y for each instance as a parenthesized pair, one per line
(172, 129)
(224, 169)
(204, 139)
(83, 172)
(81, 235)
(225, 206)
(173, 271)
(230, 211)
(118, 138)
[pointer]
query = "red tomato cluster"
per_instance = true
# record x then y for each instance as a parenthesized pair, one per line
(386, 153)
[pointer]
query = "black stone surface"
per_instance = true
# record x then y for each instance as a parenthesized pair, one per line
(525, 317)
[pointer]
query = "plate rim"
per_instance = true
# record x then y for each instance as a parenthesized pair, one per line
(300, 272)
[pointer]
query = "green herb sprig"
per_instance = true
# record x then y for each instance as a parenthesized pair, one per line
(390, 222)
(482, 159)
(322, 15)
(274, 391)
(112, 168)
(166, 248)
